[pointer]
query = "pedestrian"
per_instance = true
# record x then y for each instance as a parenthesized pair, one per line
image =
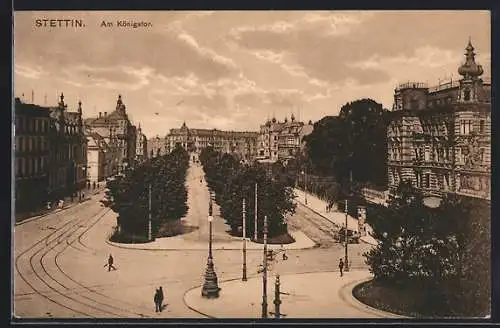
(83, 196)
(157, 300)
(49, 205)
(160, 298)
(93, 185)
(341, 267)
(285, 257)
(110, 263)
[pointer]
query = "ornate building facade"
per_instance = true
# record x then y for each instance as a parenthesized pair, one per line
(440, 138)
(141, 147)
(194, 140)
(281, 140)
(68, 151)
(50, 154)
(118, 133)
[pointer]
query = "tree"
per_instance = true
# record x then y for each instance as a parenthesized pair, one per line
(233, 181)
(445, 252)
(364, 126)
(128, 195)
(323, 145)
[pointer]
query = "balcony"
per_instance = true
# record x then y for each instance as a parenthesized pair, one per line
(412, 85)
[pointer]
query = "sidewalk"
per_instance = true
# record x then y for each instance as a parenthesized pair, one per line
(192, 242)
(309, 295)
(67, 204)
(338, 218)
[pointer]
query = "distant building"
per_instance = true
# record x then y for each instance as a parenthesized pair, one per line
(141, 147)
(156, 146)
(118, 133)
(439, 138)
(194, 140)
(97, 154)
(282, 140)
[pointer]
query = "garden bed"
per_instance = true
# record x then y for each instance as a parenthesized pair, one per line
(410, 299)
(280, 239)
(168, 229)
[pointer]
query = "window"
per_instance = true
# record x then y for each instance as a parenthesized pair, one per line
(42, 163)
(481, 126)
(416, 154)
(23, 170)
(466, 126)
(35, 165)
(466, 94)
(36, 125)
(18, 166)
(427, 180)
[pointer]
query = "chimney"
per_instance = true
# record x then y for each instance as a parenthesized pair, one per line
(99, 114)
(105, 114)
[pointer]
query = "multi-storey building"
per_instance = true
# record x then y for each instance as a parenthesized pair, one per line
(439, 138)
(68, 151)
(118, 133)
(157, 146)
(141, 147)
(282, 140)
(32, 137)
(194, 140)
(98, 154)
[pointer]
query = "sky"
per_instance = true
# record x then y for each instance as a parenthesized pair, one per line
(232, 70)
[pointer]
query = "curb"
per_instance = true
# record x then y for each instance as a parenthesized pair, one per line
(118, 245)
(371, 308)
(257, 276)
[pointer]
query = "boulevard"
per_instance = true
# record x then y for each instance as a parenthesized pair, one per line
(60, 271)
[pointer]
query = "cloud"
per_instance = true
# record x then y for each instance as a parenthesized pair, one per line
(28, 72)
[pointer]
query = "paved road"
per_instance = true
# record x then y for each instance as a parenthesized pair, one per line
(59, 263)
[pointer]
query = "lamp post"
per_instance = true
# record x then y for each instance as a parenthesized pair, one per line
(210, 286)
(264, 272)
(244, 277)
(346, 239)
(150, 237)
(255, 217)
(304, 172)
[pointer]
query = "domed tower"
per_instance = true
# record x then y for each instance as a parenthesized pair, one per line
(471, 72)
(120, 106)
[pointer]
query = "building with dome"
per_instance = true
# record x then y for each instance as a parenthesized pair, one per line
(118, 133)
(281, 140)
(439, 137)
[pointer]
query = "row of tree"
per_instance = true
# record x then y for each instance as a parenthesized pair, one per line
(232, 182)
(128, 194)
(444, 249)
(354, 141)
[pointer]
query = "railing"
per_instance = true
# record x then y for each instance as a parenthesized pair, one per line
(412, 85)
(444, 86)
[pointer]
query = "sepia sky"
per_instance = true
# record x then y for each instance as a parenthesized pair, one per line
(232, 70)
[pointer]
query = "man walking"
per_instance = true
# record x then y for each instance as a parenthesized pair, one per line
(341, 267)
(157, 300)
(160, 298)
(110, 263)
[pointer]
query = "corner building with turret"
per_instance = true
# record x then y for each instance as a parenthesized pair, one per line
(439, 138)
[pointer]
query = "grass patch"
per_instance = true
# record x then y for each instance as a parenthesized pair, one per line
(174, 228)
(276, 240)
(126, 238)
(412, 299)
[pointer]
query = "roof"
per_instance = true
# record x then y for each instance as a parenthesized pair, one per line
(98, 141)
(22, 108)
(213, 132)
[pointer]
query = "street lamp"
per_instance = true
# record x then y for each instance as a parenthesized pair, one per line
(244, 277)
(304, 172)
(210, 286)
(346, 238)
